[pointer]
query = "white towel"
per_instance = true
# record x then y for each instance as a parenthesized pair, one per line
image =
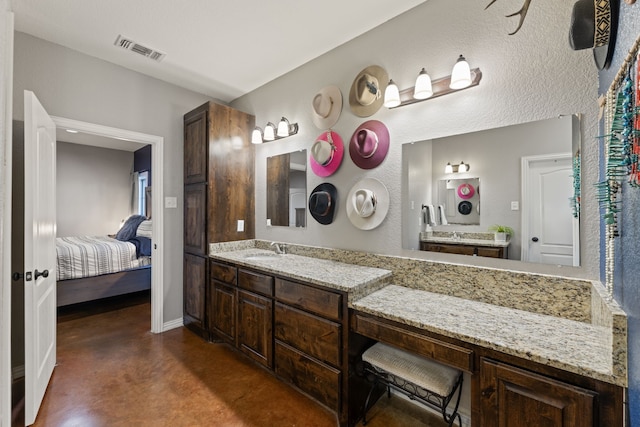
(432, 215)
(443, 217)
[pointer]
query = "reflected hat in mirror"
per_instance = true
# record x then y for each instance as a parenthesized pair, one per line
(367, 91)
(594, 26)
(466, 191)
(367, 203)
(322, 203)
(369, 144)
(326, 107)
(326, 154)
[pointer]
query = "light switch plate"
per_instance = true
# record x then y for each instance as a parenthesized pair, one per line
(170, 202)
(515, 206)
(241, 225)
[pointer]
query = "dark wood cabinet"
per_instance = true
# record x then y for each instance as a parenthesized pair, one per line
(218, 192)
(195, 278)
(255, 316)
(515, 397)
(463, 249)
(311, 341)
(255, 320)
(221, 302)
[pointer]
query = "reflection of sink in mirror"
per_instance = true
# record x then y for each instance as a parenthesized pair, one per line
(507, 161)
(262, 256)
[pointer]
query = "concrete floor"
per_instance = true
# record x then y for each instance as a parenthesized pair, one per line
(113, 372)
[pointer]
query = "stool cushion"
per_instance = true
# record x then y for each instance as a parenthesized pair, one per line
(418, 370)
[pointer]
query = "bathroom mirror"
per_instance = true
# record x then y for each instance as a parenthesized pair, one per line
(458, 202)
(512, 163)
(287, 189)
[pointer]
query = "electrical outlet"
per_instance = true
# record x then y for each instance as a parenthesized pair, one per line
(170, 202)
(240, 225)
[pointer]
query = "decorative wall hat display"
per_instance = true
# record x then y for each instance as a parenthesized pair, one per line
(322, 203)
(466, 191)
(367, 91)
(367, 203)
(465, 207)
(326, 107)
(326, 154)
(369, 144)
(594, 26)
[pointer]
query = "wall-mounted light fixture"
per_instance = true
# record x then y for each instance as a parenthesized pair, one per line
(454, 168)
(462, 77)
(271, 132)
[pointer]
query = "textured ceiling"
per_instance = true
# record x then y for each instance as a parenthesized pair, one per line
(223, 49)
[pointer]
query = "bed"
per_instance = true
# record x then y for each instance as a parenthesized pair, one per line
(95, 267)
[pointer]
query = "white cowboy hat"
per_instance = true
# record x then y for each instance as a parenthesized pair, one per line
(367, 203)
(326, 107)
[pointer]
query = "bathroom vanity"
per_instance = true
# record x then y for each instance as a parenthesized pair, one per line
(308, 318)
(474, 244)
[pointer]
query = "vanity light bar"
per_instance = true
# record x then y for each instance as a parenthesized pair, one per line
(440, 87)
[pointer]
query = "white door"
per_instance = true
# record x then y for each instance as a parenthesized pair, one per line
(549, 229)
(39, 252)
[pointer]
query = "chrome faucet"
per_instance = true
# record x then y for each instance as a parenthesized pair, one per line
(279, 248)
(455, 236)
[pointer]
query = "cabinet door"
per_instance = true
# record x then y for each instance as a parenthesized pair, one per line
(195, 146)
(222, 311)
(195, 276)
(255, 319)
(195, 219)
(514, 397)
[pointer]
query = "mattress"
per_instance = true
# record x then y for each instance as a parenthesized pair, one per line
(87, 256)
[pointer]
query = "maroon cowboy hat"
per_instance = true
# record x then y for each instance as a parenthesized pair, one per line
(369, 144)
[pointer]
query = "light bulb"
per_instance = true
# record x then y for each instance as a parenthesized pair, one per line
(423, 89)
(448, 168)
(269, 132)
(283, 128)
(461, 74)
(391, 95)
(256, 136)
(462, 167)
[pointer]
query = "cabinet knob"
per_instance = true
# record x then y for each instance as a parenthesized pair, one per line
(534, 239)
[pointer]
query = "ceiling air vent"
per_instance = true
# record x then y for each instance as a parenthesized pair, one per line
(129, 44)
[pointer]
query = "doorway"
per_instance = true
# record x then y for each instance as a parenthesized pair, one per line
(157, 149)
(550, 232)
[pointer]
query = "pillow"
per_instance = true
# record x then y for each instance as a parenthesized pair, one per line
(129, 228)
(144, 229)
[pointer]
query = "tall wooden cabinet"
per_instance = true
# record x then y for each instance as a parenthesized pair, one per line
(219, 192)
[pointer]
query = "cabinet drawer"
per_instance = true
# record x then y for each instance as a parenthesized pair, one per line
(314, 378)
(255, 282)
(314, 335)
(223, 273)
(444, 352)
(325, 303)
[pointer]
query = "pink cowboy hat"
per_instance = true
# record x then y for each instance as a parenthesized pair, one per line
(369, 144)
(326, 154)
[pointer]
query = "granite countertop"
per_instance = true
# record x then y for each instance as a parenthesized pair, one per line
(465, 241)
(354, 279)
(577, 347)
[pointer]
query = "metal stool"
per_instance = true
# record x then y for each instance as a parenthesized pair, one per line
(421, 379)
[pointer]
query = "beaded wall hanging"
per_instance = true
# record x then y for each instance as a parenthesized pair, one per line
(621, 150)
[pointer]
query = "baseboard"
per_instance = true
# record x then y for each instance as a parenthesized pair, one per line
(17, 372)
(172, 324)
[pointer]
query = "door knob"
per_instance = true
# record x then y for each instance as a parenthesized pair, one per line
(41, 273)
(534, 239)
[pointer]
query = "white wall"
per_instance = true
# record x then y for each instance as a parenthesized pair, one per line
(529, 76)
(76, 86)
(93, 189)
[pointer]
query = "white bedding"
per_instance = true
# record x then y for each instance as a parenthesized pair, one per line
(87, 256)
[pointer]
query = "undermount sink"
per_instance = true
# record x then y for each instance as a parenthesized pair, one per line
(267, 256)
